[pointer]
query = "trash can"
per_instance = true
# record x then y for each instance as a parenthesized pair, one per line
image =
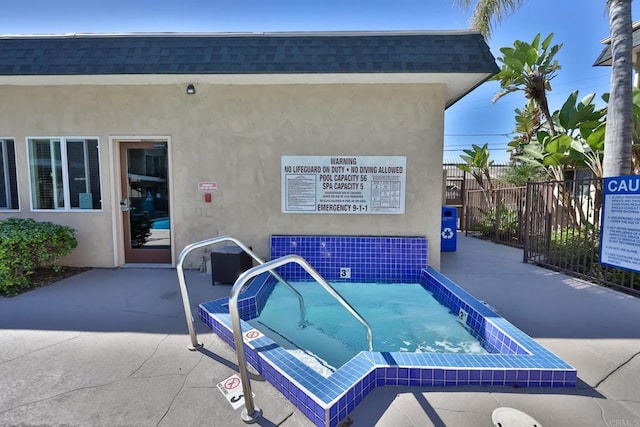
(227, 263)
(449, 229)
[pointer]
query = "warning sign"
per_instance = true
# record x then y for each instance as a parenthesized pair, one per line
(207, 186)
(343, 184)
(252, 334)
(620, 230)
(231, 389)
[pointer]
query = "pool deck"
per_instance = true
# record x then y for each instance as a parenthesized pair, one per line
(108, 347)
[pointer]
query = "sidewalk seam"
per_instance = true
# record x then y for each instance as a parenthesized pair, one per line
(616, 370)
(42, 348)
(186, 376)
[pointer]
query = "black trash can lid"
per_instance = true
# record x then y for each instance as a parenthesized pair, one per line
(227, 250)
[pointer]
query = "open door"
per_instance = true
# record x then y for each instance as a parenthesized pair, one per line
(145, 202)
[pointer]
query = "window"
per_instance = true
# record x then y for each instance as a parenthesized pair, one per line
(8, 179)
(65, 173)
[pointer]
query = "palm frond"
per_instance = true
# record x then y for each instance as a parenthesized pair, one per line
(488, 12)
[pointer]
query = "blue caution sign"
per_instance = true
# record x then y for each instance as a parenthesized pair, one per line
(620, 227)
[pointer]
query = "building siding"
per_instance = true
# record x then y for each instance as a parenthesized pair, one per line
(235, 135)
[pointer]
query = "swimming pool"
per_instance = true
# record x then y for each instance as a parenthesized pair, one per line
(404, 317)
(515, 359)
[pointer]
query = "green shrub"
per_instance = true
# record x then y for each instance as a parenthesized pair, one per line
(26, 245)
(578, 250)
(574, 248)
(507, 225)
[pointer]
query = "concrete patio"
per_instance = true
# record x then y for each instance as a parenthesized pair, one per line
(109, 348)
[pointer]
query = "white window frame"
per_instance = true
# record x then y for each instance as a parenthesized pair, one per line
(5, 162)
(66, 196)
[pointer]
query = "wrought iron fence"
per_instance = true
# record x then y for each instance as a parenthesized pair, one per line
(556, 223)
(459, 182)
(497, 215)
(562, 232)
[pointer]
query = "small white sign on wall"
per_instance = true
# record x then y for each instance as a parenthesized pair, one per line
(343, 184)
(207, 186)
(345, 272)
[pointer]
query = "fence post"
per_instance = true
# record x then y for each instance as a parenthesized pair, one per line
(465, 208)
(527, 218)
(466, 220)
(496, 225)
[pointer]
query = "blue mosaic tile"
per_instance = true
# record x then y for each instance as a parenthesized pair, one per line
(514, 360)
(385, 259)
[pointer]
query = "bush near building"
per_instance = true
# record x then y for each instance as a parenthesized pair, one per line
(27, 245)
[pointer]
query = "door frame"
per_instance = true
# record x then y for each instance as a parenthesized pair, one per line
(118, 219)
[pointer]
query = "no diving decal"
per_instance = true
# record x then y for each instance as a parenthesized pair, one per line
(231, 389)
(252, 335)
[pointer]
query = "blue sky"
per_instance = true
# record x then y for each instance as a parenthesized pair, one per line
(580, 25)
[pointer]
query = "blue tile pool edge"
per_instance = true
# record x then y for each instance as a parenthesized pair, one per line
(396, 259)
(519, 361)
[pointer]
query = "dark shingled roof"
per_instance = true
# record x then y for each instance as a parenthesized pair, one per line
(275, 53)
(605, 56)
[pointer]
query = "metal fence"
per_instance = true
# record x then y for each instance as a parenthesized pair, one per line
(562, 232)
(459, 183)
(496, 215)
(556, 223)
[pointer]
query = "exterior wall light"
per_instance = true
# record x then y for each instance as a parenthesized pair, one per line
(191, 89)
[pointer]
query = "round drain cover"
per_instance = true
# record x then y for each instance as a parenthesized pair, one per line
(509, 417)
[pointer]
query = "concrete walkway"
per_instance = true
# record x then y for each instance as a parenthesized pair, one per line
(109, 348)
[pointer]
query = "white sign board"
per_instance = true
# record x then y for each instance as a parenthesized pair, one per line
(252, 335)
(620, 229)
(343, 184)
(207, 186)
(231, 389)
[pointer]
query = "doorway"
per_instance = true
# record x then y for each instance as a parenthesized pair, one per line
(146, 219)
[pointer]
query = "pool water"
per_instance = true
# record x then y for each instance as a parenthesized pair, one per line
(404, 317)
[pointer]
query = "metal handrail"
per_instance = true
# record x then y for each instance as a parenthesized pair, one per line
(251, 413)
(183, 284)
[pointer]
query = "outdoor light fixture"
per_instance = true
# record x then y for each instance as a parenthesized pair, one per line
(191, 89)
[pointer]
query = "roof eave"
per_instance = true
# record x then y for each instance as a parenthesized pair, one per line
(471, 88)
(355, 33)
(457, 84)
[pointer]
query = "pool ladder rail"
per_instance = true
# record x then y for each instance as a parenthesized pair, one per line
(183, 284)
(252, 413)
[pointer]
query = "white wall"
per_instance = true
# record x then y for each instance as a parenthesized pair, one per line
(235, 135)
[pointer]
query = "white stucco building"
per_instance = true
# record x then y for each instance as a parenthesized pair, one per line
(186, 132)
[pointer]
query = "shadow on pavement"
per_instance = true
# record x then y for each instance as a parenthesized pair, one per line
(112, 300)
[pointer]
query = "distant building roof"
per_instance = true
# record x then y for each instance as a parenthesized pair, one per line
(264, 53)
(605, 56)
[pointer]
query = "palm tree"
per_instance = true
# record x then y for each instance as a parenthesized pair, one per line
(619, 132)
(477, 163)
(617, 151)
(529, 67)
(485, 12)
